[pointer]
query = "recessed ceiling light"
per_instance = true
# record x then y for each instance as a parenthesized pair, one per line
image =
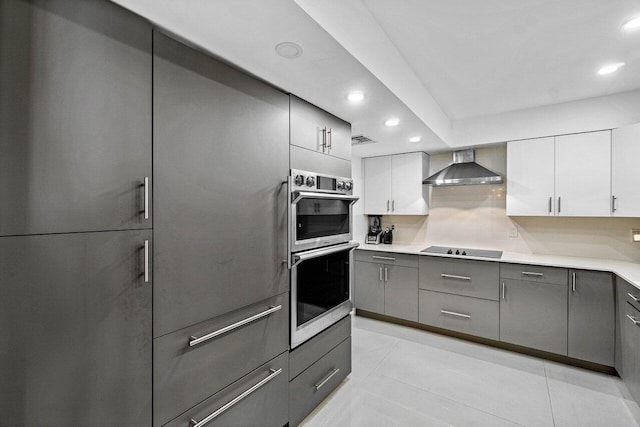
(392, 122)
(355, 96)
(610, 68)
(632, 24)
(289, 50)
(415, 139)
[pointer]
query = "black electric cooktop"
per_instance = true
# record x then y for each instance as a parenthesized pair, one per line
(481, 253)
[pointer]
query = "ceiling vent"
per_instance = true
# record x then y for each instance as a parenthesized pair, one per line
(361, 139)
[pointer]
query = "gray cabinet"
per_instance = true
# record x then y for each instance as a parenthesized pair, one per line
(534, 314)
(471, 278)
(317, 130)
(188, 367)
(591, 328)
(381, 286)
(220, 160)
(75, 117)
(628, 336)
(75, 330)
(259, 398)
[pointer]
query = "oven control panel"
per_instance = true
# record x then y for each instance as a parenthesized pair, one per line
(313, 181)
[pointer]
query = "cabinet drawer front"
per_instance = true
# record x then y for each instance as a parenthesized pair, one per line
(534, 315)
(185, 375)
(534, 273)
(631, 294)
(257, 399)
(393, 258)
(308, 353)
(313, 385)
(478, 279)
(471, 316)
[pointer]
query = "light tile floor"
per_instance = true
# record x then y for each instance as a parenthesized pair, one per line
(407, 377)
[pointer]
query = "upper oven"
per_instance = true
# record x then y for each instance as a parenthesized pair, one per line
(321, 210)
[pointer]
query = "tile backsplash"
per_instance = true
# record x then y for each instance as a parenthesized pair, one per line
(475, 216)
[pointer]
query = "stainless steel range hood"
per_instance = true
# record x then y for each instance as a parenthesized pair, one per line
(463, 171)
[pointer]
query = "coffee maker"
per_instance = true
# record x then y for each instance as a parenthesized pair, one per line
(374, 236)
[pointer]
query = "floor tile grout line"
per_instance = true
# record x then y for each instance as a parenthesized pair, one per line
(546, 378)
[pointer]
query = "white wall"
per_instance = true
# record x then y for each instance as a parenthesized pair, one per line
(604, 112)
(474, 216)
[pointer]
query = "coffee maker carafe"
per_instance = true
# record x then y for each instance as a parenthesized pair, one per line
(375, 230)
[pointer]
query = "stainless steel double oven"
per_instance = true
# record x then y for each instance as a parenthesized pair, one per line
(320, 251)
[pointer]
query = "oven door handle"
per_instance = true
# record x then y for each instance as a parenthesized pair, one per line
(316, 253)
(299, 195)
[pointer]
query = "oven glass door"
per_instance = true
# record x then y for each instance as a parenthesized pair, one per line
(323, 283)
(320, 290)
(320, 219)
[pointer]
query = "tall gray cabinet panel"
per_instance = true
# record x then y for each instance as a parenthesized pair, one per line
(591, 316)
(220, 160)
(75, 330)
(75, 116)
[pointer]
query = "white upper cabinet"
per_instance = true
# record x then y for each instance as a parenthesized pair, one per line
(567, 175)
(625, 172)
(583, 174)
(315, 129)
(530, 177)
(393, 184)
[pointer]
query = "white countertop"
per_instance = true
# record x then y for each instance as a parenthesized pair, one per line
(629, 271)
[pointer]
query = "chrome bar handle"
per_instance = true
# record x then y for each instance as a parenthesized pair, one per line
(613, 204)
(327, 378)
(146, 261)
(381, 274)
(330, 139)
(386, 274)
(146, 197)
(633, 297)
(324, 138)
(453, 276)
(573, 281)
(550, 203)
(559, 205)
(387, 205)
(453, 313)
(531, 273)
(503, 291)
(393, 205)
(633, 319)
(386, 258)
(195, 341)
(273, 373)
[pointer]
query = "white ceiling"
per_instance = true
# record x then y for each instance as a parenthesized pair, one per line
(432, 63)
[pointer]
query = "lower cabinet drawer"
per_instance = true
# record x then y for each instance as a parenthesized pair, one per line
(313, 385)
(257, 399)
(472, 278)
(185, 374)
(468, 315)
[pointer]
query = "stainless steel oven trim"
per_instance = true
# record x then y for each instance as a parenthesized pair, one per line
(313, 327)
(301, 245)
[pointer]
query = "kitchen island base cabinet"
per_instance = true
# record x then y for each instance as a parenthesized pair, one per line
(591, 328)
(628, 345)
(75, 330)
(534, 315)
(259, 398)
(473, 316)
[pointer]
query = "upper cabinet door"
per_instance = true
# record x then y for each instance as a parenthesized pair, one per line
(530, 177)
(75, 117)
(220, 163)
(317, 130)
(583, 174)
(625, 173)
(377, 185)
(409, 195)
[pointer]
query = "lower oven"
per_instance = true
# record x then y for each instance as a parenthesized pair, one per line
(320, 289)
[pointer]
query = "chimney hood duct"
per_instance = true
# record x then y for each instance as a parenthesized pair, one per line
(463, 171)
